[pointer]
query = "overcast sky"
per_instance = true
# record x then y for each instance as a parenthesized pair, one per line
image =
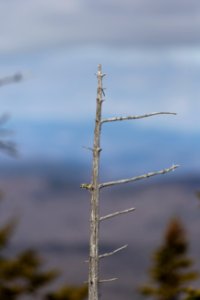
(33, 25)
(150, 48)
(150, 51)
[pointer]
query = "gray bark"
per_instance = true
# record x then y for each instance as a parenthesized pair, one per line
(93, 279)
(94, 188)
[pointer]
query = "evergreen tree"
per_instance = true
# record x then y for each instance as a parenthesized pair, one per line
(68, 293)
(171, 271)
(22, 274)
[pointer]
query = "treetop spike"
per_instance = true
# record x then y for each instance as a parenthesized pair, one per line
(99, 72)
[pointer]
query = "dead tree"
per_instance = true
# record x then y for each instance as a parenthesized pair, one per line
(94, 188)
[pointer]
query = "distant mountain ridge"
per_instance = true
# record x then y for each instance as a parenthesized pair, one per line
(132, 145)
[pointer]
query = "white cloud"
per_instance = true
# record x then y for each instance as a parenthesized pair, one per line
(33, 24)
(29, 25)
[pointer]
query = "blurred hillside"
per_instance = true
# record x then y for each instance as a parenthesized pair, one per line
(53, 218)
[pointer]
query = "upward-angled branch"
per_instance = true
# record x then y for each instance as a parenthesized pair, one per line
(108, 280)
(113, 252)
(114, 119)
(117, 213)
(110, 183)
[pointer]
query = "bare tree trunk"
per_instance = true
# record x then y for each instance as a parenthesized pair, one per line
(94, 218)
(94, 188)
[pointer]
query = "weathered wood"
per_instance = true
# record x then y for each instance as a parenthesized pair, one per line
(112, 252)
(115, 119)
(94, 188)
(136, 178)
(93, 279)
(117, 213)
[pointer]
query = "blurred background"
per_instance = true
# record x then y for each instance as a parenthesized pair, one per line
(150, 52)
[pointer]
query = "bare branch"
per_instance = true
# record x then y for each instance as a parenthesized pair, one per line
(87, 186)
(104, 280)
(92, 149)
(87, 148)
(11, 79)
(113, 252)
(110, 183)
(110, 253)
(108, 280)
(116, 214)
(114, 119)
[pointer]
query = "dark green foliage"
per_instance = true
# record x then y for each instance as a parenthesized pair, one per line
(69, 293)
(22, 274)
(171, 271)
(5, 234)
(192, 294)
(198, 194)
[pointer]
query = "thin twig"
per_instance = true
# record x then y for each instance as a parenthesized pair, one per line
(87, 148)
(108, 280)
(110, 183)
(114, 119)
(113, 252)
(110, 253)
(116, 214)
